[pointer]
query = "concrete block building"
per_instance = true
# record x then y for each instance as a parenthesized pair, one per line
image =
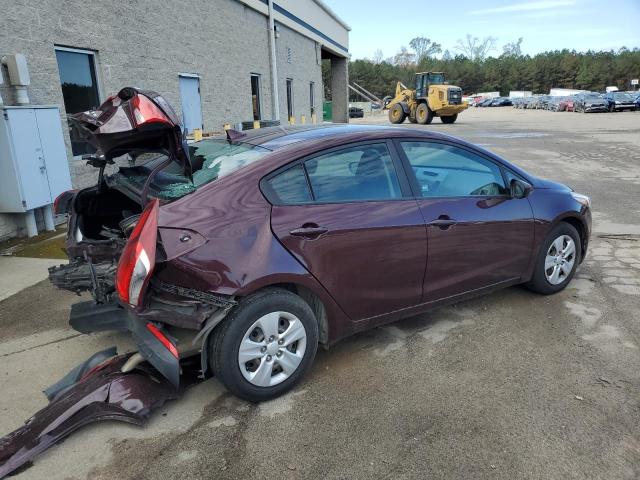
(216, 62)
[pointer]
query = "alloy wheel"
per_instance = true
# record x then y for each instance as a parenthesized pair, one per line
(560, 258)
(272, 349)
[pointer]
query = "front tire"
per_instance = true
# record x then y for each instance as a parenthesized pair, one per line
(449, 119)
(265, 345)
(396, 114)
(557, 260)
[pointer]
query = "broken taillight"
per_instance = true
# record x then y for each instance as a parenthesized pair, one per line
(145, 111)
(62, 203)
(138, 257)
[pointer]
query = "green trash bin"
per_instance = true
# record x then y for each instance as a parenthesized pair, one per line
(327, 111)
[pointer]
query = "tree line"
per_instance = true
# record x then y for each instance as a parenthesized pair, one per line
(471, 67)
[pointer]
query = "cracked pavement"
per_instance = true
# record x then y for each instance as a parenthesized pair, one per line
(510, 385)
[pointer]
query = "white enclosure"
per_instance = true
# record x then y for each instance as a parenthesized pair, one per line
(33, 159)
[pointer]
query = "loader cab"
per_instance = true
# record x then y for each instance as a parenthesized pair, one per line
(424, 79)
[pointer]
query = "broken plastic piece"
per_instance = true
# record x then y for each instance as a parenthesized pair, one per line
(91, 392)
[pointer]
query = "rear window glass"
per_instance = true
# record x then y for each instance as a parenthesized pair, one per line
(213, 159)
(210, 160)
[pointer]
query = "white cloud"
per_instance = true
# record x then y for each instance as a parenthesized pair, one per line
(526, 7)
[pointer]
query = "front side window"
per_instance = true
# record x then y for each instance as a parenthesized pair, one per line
(447, 171)
(364, 172)
(79, 88)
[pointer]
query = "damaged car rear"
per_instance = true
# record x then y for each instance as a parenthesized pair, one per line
(118, 240)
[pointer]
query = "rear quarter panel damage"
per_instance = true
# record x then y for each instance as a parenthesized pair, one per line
(241, 254)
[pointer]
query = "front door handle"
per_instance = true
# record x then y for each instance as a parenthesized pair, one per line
(443, 222)
(309, 231)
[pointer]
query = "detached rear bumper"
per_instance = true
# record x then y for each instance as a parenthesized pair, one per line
(154, 344)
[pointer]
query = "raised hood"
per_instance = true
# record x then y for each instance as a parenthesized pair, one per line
(134, 120)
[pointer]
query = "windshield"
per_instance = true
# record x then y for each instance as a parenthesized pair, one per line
(622, 96)
(435, 78)
(211, 159)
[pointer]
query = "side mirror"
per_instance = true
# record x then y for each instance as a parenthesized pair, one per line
(519, 189)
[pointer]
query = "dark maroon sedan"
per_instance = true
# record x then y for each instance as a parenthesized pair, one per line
(250, 250)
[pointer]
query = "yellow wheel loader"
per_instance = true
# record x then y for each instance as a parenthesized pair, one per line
(432, 97)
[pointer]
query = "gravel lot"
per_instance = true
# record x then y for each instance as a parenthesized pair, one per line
(511, 385)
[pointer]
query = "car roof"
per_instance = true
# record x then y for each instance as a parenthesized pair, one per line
(275, 138)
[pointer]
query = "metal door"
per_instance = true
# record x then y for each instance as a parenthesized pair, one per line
(369, 254)
(475, 243)
(29, 157)
(191, 104)
(53, 149)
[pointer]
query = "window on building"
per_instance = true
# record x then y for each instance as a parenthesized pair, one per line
(79, 83)
(289, 98)
(312, 98)
(255, 96)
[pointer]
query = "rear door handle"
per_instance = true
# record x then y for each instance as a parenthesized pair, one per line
(443, 222)
(309, 231)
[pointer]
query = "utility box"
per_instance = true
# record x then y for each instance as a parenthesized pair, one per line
(33, 158)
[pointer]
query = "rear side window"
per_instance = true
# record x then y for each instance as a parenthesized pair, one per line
(447, 171)
(289, 186)
(364, 172)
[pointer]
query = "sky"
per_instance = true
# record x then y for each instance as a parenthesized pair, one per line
(544, 24)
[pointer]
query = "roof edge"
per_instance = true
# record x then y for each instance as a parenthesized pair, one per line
(332, 14)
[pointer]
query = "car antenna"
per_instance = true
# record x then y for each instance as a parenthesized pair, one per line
(234, 134)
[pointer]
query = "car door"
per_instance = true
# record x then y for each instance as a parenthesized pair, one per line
(347, 215)
(478, 235)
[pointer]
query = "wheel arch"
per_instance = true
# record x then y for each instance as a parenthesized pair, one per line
(315, 303)
(305, 293)
(579, 225)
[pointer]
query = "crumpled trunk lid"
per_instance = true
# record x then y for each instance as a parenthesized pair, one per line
(134, 120)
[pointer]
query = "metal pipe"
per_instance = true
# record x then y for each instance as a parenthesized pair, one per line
(30, 223)
(47, 213)
(362, 94)
(275, 101)
(367, 92)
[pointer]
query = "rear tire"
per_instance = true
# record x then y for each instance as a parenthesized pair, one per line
(264, 325)
(396, 114)
(550, 260)
(449, 119)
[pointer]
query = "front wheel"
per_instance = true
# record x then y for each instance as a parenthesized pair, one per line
(557, 260)
(265, 346)
(396, 114)
(449, 119)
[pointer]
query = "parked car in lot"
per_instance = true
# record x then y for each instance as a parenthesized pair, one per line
(566, 104)
(501, 102)
(485, 102)
(590, 102)
(553, 105)
(356, 112)
(620, 101)
(250, 250)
